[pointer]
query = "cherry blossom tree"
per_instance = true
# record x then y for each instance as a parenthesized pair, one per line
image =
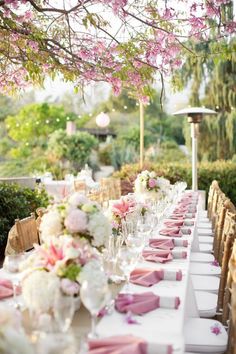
(121, 42)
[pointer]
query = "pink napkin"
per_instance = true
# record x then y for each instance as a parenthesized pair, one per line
(142, 303)
(149, 277)
(161, 256)
(174, 232)
(174, 223)
(6, 289)
(127, 344)
(182, 216)
(167, 244)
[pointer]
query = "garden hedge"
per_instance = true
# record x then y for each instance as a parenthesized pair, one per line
(17, 202)
(223, 171)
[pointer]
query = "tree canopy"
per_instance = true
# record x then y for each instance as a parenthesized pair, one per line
(121, 42)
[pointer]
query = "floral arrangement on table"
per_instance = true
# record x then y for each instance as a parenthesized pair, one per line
(120, 210)
(79, 217)
(148, 185)
(61, 264)
(13, 339)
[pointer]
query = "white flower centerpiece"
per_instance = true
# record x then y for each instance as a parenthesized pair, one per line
(57, 265)
(79, 217)
(13, 339)
(148, 186)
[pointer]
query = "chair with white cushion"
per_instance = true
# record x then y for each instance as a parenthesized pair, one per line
(200, 337)
(209, 304)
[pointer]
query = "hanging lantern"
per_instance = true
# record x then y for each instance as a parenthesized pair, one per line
(102, 120)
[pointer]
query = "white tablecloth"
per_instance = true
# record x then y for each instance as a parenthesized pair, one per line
(161, 326)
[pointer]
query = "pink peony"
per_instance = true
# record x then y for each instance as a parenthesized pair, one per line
(152, 183)
(76, 221)
(69, 287)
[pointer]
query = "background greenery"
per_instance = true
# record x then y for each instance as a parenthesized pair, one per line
(17, 202)
(223, 171)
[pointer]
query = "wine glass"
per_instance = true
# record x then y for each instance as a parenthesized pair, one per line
(64, 309)
(94, 297)
(127, 260)
(11, 266)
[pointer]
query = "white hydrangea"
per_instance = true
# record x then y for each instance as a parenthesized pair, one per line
(12, 336)
(77, 199)
(100, 228)
(14, 341)
(51, 224)
(38, 290)
(93, 273)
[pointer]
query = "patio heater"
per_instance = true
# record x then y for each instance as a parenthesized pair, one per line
(195, 116)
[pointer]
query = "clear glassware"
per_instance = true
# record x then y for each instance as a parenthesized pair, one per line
(64, 309)
(127, 260)
(11, 266)
(94, 296)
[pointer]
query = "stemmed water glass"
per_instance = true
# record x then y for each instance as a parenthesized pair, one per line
(11, 266)
(64, 309)
(127, 260)
(94, 297)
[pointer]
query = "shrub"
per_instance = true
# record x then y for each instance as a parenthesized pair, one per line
(17, 202)
(223, 171)
(104, 154)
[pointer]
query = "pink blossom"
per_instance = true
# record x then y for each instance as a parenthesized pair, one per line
(216, 329)
(69, 287)
(152, 183)
(116, 85)
(76, 221)
(33, 45)
(130, 319)
(121, 208)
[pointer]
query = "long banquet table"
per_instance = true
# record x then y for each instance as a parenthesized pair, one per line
(161, 326)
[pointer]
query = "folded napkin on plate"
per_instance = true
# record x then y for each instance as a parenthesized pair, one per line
(163, 256)
(174, 223)
(6, 289)
(126, 344)
(167, 244)
(182, 216)
(175, 232)
(139, 304)
(149, 277)
(160, 256)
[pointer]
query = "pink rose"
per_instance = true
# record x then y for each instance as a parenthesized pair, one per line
(152, 183)
(76, 221)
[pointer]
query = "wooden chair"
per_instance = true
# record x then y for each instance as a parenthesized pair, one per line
(213, 187)
(27, 232)
(113, 187)
(231, 277)
(218, 232)
(22, 235)
(232, 326)
(80, 186)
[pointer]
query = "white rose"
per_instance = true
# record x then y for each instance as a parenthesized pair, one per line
(152, 174)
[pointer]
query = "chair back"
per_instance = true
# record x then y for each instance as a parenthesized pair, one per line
(112, 187)
(27, 232)
(230, 303)
(218, 232)
(214, 185)
(231, 274)
(80, 186)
